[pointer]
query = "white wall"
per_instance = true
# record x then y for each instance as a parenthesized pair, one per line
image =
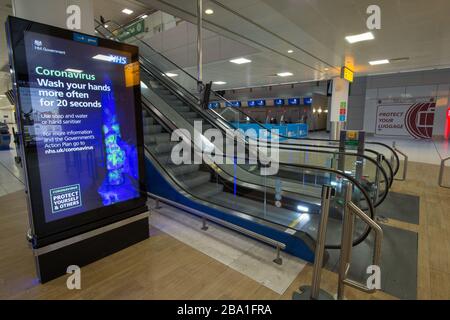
(366, 91)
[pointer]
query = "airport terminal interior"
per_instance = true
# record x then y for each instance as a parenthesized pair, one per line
(225, 150)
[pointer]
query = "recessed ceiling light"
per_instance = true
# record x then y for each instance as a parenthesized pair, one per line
(290, 51)
(240, 61)
(326, 69)
(144, 16)
(285, 74)
(378, 62)
(171, 75)
(209, 11)
(127, 11)
(219, 82)
(360, 37)
(73, 70)
(106, 26)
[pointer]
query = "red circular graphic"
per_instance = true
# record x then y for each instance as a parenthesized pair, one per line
(419, 120)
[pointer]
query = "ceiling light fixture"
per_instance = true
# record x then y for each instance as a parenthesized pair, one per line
(144, 16)
(285, 74)
(209, 11)
(360, 37)
(240, 61)
(73, 70)
(302, 208)
(290, 51)
(127, 11)
(378, 62)
(106, 26)
(171, 75)
(219, 82)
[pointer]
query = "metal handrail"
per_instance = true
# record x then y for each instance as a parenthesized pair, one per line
(441, 174)
(405, 162)
(351, 210)
(277, 244)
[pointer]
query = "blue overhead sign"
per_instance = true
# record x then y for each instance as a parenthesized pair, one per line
(294, 101)
(307, 101)
(233, 104)
(256, 103)
(214, 105)
(279, 102)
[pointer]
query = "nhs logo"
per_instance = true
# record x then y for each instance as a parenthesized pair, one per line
(118, 59)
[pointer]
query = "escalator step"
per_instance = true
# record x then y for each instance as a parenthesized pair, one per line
(195, 179)
(207, 190)
(184, 169)
(150, 129)
(148, 121)
(157, 138)
(163, 147)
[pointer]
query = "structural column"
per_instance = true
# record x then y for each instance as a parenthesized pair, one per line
(339, 105)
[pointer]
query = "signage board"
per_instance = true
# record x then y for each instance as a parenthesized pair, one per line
(131, 30)
(233, 104)
(414, 120)
(214, 105)
(279, 102)
(294, 101)
(80, 123)
(256, 103)
(347, 74)
(307, 101)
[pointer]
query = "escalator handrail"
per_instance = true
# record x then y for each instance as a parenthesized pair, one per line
(354, 182)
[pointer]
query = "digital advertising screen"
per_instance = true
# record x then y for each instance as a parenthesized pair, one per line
(81, 121)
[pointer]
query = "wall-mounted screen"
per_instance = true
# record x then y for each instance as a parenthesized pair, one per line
(233, 104)
(257, 103)
(294, 101)
(214, 105)
(81, 124)
(279, 102)
(307, 101)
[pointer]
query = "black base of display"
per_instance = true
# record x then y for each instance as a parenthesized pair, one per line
(54, 264)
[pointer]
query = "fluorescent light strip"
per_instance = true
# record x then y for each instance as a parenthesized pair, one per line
(127, 11)
(102, 57)
(378, 62)
(219, 82)
(240, 61)
(74, 70)
(285, 74)
(144, 16)
(360, 37)
(209, 11)
(171, 75)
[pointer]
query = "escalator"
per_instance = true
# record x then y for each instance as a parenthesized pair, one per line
(237, 193)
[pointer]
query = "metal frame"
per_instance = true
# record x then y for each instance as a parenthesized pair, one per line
(405, 162)
(351, 210)
(205, 217)
(441, 174)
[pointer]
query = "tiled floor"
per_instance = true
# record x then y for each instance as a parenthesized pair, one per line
(11, 174)
(423, 151)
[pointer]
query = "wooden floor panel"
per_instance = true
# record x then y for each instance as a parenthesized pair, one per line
(165, 268)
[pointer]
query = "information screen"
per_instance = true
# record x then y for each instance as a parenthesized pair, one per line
(79, 118)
